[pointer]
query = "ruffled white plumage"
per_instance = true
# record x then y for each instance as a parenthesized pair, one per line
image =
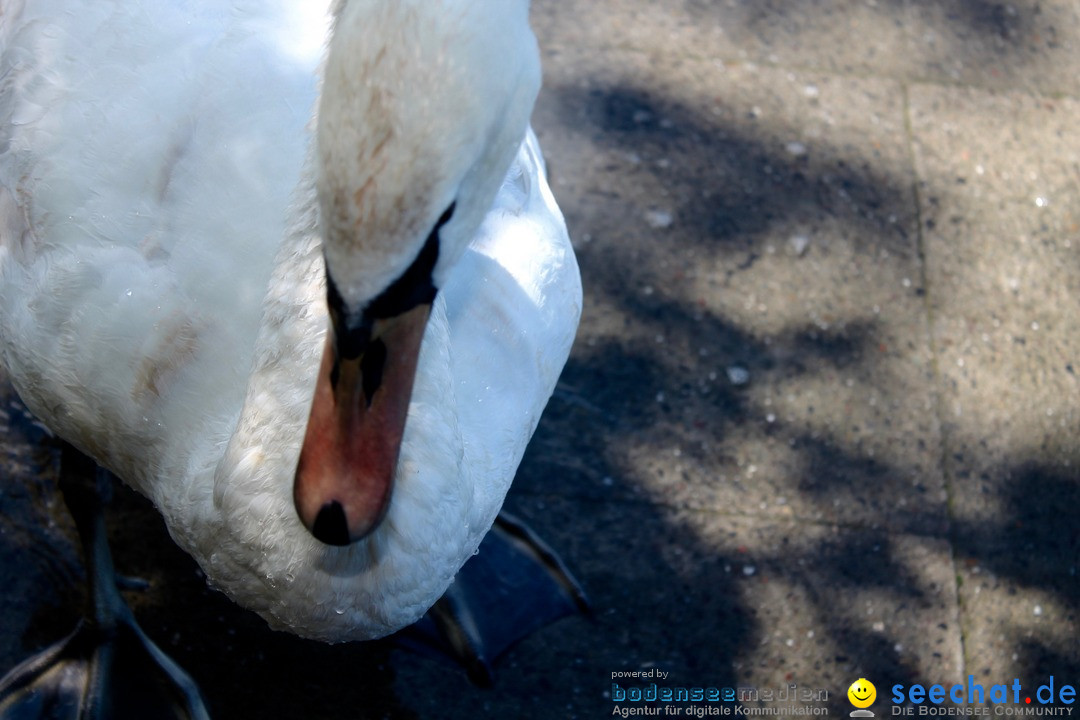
(162, 301)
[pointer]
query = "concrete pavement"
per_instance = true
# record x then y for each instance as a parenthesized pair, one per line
(820, 421)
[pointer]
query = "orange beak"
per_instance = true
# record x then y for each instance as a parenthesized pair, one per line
(345, 475)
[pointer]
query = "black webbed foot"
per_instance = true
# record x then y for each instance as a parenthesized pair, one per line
(514, 586)
(107, 669)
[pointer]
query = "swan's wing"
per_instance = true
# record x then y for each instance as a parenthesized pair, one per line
(148, 153)
(513, 308)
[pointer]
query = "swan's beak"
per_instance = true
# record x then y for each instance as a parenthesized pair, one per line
(347, 463)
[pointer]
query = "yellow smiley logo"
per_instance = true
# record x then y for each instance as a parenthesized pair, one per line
(862, 693)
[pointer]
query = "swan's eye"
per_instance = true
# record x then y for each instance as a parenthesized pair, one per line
(445, 217)
(415, 286)
(350, 338)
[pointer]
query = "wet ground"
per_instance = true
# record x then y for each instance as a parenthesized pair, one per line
(820, 420)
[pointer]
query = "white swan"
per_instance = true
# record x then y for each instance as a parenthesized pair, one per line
(163, 220)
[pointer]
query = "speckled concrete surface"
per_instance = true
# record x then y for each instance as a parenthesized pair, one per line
(818, 424)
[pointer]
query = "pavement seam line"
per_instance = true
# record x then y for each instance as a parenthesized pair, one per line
(944, 436)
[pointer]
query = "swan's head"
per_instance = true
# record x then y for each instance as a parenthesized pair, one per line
(423, 106)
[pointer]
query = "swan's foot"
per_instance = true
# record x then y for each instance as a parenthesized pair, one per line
(107, 668)
(94, 673)
(513, 587)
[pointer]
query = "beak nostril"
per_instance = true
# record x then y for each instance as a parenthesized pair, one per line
(330, 526)
(371, 367)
